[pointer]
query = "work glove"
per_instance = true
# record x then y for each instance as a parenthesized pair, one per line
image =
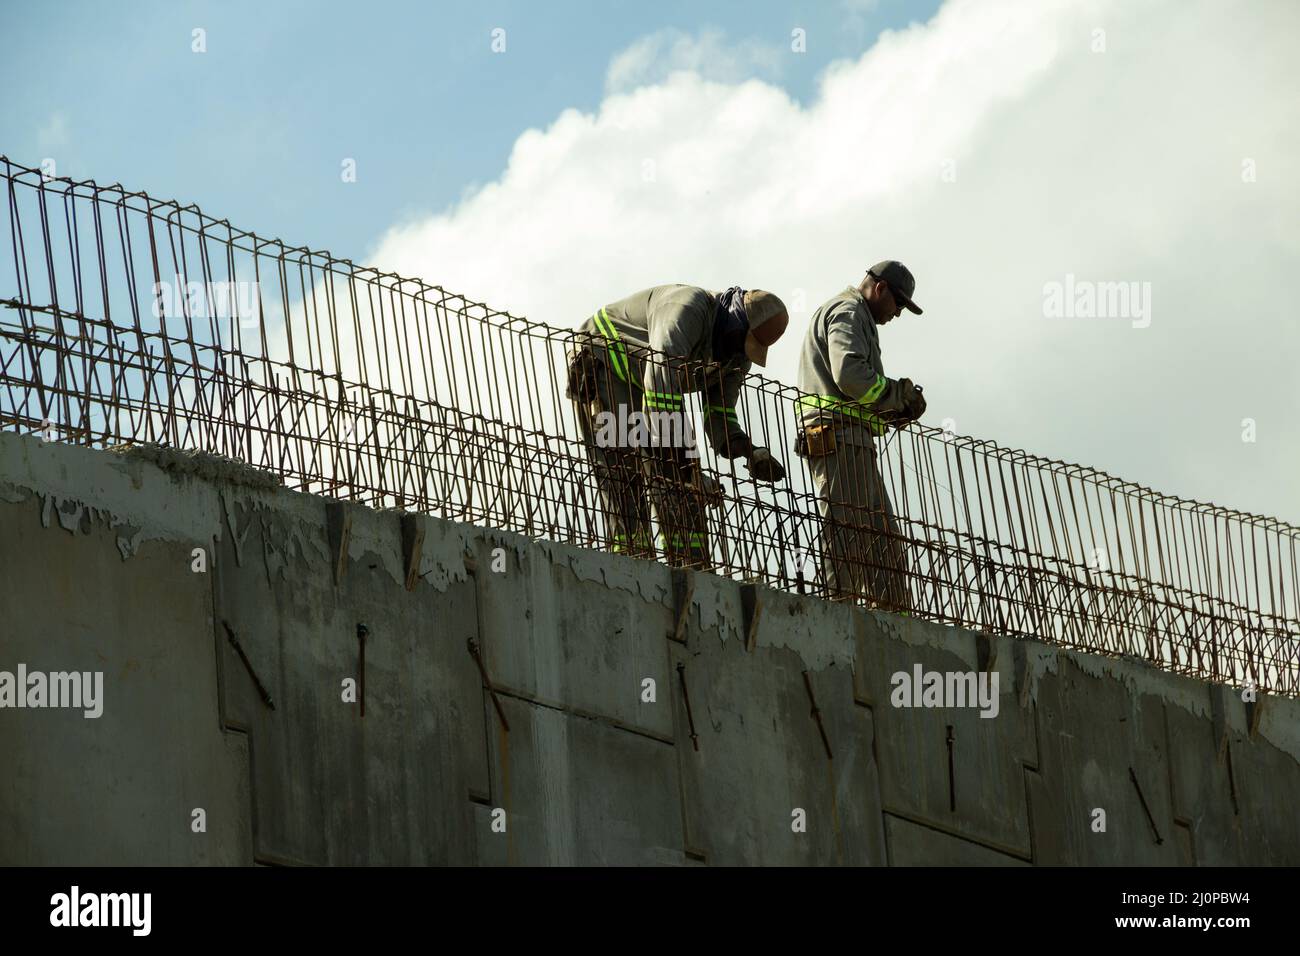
(712, 489)
(763, 467)
(912, 400)
(685, 478)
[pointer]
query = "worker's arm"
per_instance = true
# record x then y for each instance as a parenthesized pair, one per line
(676, 327)
(722, 425)
(676, 323)
(721, 421)
(854, 358)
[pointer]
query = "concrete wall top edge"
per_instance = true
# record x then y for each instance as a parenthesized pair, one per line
(205, 495)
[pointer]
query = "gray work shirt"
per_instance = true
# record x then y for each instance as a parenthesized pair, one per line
(840, 370)
(677, 321)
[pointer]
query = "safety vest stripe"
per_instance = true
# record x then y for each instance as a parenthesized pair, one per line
(604, 332)
(618, 354)
(875, 391)
(639, 539)
(669, 400)
(696, 539)
(726, 410)
(619, 350)
(877, 426)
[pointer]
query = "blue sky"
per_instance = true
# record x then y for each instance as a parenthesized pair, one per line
(998, 147)
(255, 129)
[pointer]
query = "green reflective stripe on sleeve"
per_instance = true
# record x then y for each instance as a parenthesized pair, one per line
(875, 391)
(853, 409)
(723, 410)
(617, 352)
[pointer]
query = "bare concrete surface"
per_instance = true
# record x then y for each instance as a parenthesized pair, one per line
(141, 564)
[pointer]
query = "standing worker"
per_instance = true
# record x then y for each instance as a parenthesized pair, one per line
(643, 354)
(847, 402)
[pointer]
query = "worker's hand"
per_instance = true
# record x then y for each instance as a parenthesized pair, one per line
(712, 489)
(912, 400)
(763, 467)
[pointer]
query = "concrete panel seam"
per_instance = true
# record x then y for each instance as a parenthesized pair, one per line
(476, 652)
(751, 605)
(487, 798)
(279, 859)
(611, 722)
(217, 647)
(338, 528)
(252, 784)
(817, 714)
(1179, 821)
(683, 593)
(413, 530)
(938, 828)
(1025, 769)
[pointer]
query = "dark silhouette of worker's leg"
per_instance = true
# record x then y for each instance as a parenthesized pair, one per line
(862, 547)
(680, 508)
(617, 468)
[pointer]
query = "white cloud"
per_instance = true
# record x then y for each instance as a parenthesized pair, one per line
(53, 133)
(656, 57)
(1122, 165)
(856, 17)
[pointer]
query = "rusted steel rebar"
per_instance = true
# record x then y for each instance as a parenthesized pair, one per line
(1145, 809)
(130, 320)
(248, 665)
(817, 714)
(686, 698)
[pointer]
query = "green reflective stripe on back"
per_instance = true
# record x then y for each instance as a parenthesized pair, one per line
(618, 354)
(604, 332)
(723, 410)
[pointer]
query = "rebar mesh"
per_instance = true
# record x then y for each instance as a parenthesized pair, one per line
(128, 319)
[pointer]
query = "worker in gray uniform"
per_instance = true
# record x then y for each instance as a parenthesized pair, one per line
(846, 403)
(635, 361)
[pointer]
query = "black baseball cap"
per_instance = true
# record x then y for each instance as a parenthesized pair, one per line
(899, 279)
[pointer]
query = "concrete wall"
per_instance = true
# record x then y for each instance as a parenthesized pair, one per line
(99, 574)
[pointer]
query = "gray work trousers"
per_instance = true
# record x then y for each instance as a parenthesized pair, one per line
(629, 480)
(863, 552)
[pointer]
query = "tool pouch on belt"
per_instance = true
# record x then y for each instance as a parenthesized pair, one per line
(815, 441)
